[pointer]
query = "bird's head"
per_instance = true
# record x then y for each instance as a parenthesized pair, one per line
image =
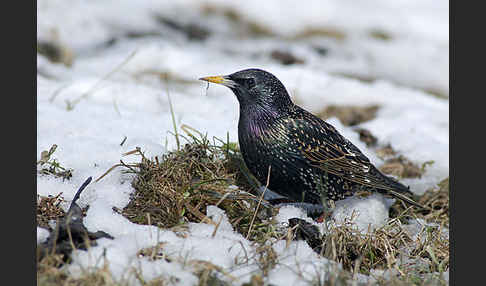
(255, 88)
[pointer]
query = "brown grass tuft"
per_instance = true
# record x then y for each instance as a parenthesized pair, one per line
(378, 249)
(178, 187)
(48, 208)
(387, 248)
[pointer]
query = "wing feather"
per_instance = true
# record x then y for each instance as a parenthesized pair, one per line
(334, 154)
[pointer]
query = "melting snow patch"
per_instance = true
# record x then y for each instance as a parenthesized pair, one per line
(366, 213)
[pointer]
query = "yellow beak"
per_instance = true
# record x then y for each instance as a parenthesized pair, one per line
(214, 79)
(219, 79)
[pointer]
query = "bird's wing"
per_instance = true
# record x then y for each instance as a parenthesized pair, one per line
(328, 150)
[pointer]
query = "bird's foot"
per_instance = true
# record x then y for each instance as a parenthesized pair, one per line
(324, 216)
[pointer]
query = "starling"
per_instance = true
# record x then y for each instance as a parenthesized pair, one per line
(310, 161)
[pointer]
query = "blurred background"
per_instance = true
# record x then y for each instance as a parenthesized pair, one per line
(404, 42)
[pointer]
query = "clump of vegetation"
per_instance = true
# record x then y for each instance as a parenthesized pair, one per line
(387, 247)
(378, 249)
(178, 187)
(49, 208)
(50, 166)
(426, 252)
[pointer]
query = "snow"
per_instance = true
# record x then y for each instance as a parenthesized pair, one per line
(287, 212)
(42, 234)
(136, 105)
(366, 213)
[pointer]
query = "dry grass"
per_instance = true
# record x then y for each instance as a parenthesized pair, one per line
(379, 249)
(436, 199)
(51, 166)
(178, 187)
(48, 208)
(50, 273)
(388, 247)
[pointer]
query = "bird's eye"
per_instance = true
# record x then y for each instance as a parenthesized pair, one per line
(250, 83)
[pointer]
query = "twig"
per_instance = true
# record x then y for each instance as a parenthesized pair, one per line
(217, 226)
(124, 139)
(78, 193)
(109, 170)
(223, 197)
(136, 150)
(357, 263)
(198, 214)
(185, 128)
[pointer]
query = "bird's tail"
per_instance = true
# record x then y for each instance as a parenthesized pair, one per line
(402, 192)
(405, 199)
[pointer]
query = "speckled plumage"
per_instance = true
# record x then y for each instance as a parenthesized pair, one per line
(308, 157)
